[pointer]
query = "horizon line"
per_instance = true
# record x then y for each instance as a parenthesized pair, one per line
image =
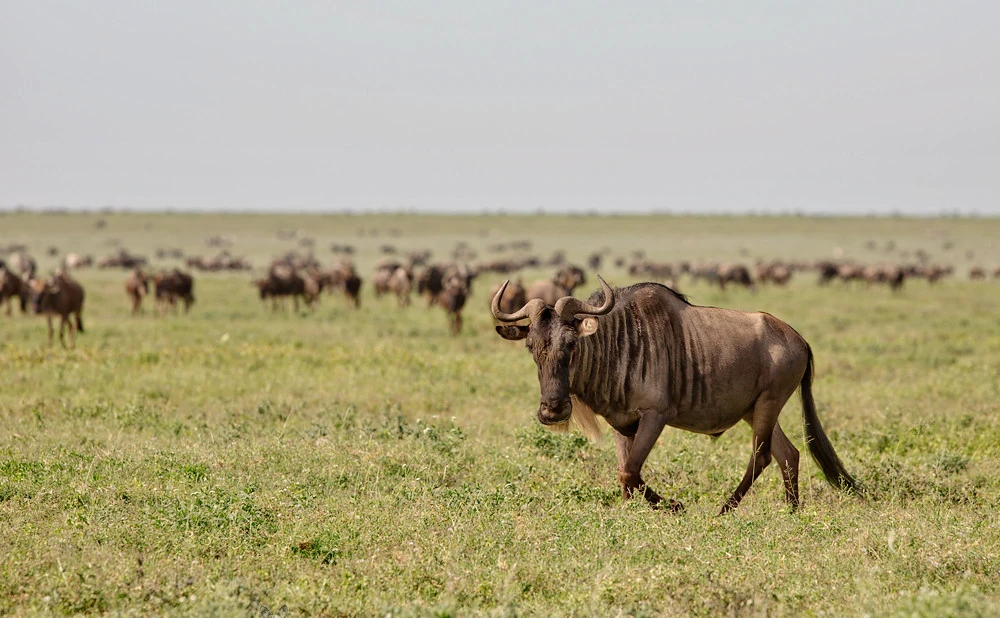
(488, 212)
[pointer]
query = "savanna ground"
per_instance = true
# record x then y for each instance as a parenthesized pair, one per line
(361, 463)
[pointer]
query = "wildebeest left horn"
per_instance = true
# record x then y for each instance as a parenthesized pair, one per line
(567, 306)
(530, 310)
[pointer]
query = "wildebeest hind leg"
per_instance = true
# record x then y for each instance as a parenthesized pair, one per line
(763, 421)
(788, 459)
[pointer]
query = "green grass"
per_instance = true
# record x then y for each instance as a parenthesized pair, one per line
(364, 463)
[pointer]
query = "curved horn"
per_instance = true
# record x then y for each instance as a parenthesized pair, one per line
(528, 311)
(567, 306)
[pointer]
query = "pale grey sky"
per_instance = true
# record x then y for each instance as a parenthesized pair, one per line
(845, 106)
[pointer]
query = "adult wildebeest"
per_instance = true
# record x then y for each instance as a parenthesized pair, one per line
(431, 280)
(170, 286)
(11, 287)
(643, 358)
(513, 297)
(566, 279)
(400, 284)
(343, 276)
(736, 273)
(60, 296)
(452, 298)
(136, 286)
(282, 281)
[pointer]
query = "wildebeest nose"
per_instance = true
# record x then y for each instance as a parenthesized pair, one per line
(550, 412)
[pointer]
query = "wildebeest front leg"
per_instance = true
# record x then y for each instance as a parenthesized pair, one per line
(48, 320)
(632, 453)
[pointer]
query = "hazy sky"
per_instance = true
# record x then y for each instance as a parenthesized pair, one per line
(844, 106)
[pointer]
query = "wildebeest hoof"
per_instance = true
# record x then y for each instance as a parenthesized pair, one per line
(668, 505)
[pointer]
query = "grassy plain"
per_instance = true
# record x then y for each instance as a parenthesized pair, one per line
(363, 463)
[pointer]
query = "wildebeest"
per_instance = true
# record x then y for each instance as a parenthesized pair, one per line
(735, 273)
(383, 273)
(136, 286)
(776, 272)
(566, 279)
(344, 277)
(400, 284)
(455, 290)
(122, 259)
(513, 297)
(75, 260)
(661, 271)
(431, 280)
(173, 285)
(643, 357)
(11, 287)
(23, 264)
(281, 281)
(60, 296)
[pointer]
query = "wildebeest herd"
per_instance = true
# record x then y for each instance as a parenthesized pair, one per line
(447, 284)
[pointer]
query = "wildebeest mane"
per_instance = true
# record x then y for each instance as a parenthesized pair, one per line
(597, 298)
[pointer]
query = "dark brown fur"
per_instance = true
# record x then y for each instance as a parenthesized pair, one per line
(11, 287)
(170, 286)
(60, 296)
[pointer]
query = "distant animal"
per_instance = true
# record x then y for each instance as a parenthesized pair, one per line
(566, 279)
(643, 357)
(431, 280)
(738, 274)
(170, 286)
(400, 284)
(23, 264)
(344, 277)
(136, 286)
(282, 281)
(11, 287)
(452, 298)
(383, 274)
(514, 296)
(775, 272)
(62, 296)
(75, 260)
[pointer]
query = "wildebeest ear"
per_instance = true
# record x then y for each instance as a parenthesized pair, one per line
(512, 333)
(586, 326)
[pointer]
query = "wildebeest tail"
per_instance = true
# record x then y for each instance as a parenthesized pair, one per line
(79, 323)
(819, 445)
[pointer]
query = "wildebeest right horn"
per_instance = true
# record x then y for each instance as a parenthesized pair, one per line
(567, 306)
(530, 310)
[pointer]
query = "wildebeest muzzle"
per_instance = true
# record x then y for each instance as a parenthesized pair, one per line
(554, 412)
